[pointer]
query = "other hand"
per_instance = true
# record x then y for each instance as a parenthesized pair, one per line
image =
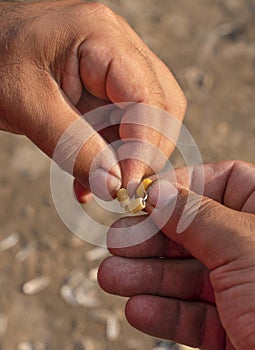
(62, 59)
(196, 287)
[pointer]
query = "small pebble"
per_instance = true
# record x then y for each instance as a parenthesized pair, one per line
(76, 242)
(112, 323)
(67, 295)
(31, 346)
(75, 278)
(135, 344)
(36, 285)
(3, 325)
(78, 289)
(89, 343)
(86, 299)
(92, 274)
(166, 345)
(96, 254)
(112, 327)
(9, 242)
(25, 252)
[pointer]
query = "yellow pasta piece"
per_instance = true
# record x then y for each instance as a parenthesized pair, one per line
(141, 189)
(123, 198)
(122, 195)
(136, 205)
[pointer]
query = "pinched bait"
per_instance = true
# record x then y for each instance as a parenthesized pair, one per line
(143, 187)
(123, 198)
(137, 204)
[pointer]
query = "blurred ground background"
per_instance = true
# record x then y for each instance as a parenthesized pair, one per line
(210, 46)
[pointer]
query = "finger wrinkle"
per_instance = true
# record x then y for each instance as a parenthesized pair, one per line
(205, 291)
(202, 326)
(177, 321)
(199, 289)
(143, 53)
(230, 172)
(161, 279)
(250, 194)
(108, 70)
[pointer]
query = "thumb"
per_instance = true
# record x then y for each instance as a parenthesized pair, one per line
(211, 232)
(59, 131)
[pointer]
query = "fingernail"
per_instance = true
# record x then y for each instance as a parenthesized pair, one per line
(103, 184)
(161, 194)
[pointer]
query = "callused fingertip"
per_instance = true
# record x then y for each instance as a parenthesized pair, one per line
(161, 194)
(82, 194)
(133, 171)
(85, 198)
(103, 274)
(133, 310)
(116, 116)
(104, 184)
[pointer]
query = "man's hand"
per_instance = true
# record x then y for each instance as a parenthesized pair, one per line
(196, 287)
(59, 60)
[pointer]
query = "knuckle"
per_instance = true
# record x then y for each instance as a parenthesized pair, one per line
(240, 164)
(183, 102)
(156, 93)
(123, 22)
(206, 208)
(101, 8)
(99, 11)
(94, 20)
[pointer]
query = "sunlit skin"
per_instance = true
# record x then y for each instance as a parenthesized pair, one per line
(202, 293)
(62, 59)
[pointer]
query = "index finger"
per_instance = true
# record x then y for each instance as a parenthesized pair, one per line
(221, 183)
(231, 183)
(157, 245)
(150, 135)
(168, 96)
